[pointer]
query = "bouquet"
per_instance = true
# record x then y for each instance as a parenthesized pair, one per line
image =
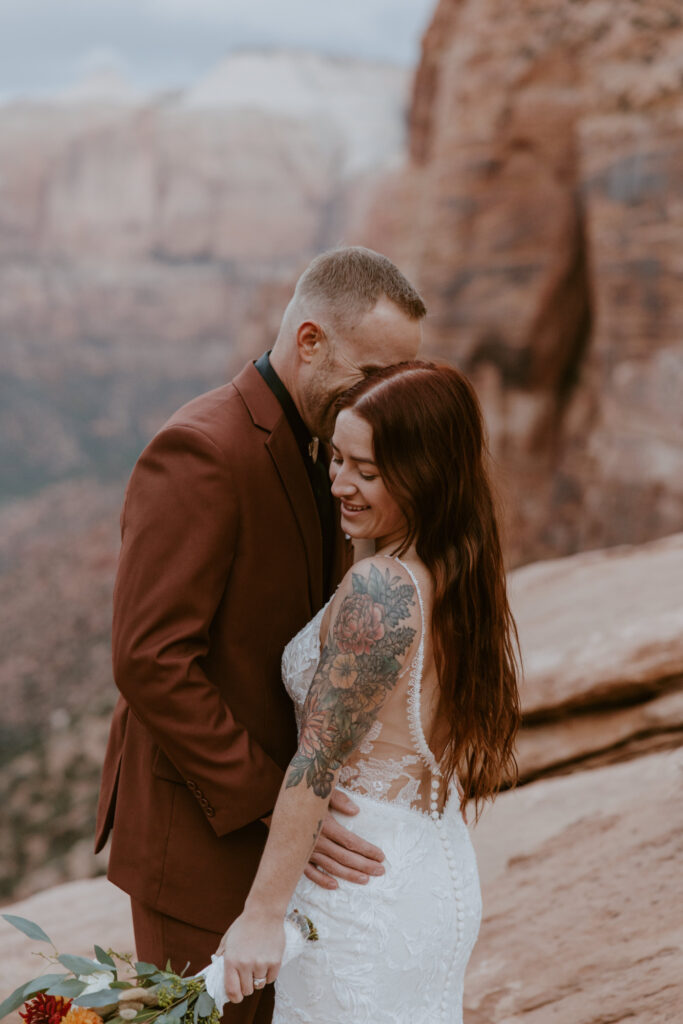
(118, 989)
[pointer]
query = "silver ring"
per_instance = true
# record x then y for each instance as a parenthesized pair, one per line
(259, 982)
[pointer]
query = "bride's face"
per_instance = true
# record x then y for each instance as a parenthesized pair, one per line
(367, 507)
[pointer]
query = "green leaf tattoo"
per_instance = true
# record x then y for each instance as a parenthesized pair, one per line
(358, 668)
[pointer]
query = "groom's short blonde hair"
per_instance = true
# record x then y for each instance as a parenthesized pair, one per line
(348, 282)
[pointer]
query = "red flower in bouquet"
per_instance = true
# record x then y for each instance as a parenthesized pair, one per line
(45, 1009)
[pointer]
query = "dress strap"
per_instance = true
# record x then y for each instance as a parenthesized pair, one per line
(415, 687)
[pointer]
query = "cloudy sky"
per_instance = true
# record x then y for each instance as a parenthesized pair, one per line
(158, 44)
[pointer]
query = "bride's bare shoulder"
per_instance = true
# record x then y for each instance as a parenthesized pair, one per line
(378, 585)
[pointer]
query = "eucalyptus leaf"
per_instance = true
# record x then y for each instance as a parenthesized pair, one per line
(120, 984)
(43, 982)
(13, 1001)
(69, 988)
(79, 964)
(104, 997)
(103, 957)
(205, 1005)
(29, 928)
(142, 968)
(177, 1012)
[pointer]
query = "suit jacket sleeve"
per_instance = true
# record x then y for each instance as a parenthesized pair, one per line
(179, 527)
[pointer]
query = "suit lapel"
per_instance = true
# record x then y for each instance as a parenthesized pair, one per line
(267, 414)
(289, 464)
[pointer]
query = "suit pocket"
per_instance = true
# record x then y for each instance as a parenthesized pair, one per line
(164, 768)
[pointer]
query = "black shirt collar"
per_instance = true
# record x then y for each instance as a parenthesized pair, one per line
(301, 432)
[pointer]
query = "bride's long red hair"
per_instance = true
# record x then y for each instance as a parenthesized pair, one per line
(430, 449)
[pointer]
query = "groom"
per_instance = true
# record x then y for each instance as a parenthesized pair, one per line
(230, 543)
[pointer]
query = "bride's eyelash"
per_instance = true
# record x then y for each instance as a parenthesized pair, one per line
(365, 476)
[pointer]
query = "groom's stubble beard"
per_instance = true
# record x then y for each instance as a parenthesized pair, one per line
(320, 393)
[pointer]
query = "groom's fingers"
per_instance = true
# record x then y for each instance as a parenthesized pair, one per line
(344, 863)
(320, 878)
(334, 867)
(341, 802)
(347, 839)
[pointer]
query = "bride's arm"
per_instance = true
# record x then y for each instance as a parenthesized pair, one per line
(372, 627)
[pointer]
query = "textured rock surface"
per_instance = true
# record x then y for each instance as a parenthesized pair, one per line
(75, 916)
(540, 213)
(602, 626)
(602, 643)
(582, 891)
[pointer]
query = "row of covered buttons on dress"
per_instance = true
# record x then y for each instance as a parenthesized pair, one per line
(194, 788)
(452, 867)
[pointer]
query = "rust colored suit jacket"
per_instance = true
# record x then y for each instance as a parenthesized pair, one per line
(220, 565)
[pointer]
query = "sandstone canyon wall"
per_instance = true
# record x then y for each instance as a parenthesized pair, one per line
(542, 213)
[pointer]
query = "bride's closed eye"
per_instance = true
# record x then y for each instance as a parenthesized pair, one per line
(337, 460)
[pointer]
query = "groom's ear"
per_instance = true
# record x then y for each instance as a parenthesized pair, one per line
(310, 339)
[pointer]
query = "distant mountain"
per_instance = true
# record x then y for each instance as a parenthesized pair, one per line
(143, 241)
(358, 106)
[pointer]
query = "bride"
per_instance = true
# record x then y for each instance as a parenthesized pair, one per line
(406, 697)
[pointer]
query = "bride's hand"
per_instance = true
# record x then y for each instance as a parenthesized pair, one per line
(252, 949)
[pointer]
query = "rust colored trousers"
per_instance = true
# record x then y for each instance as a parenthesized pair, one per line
(159, 938)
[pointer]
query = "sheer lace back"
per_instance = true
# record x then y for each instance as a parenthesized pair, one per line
(393, 761)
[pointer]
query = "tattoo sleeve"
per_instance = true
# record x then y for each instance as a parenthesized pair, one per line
(359, 665)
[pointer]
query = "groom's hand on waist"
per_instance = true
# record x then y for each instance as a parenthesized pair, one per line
(340, 852)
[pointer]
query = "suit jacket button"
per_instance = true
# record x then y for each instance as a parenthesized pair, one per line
(210, 811)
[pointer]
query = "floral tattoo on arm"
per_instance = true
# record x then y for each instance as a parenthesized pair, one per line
(358, 668)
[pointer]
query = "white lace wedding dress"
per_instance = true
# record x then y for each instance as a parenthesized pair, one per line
(393, 951)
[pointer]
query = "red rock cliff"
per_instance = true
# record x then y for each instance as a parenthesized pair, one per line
(541, 212)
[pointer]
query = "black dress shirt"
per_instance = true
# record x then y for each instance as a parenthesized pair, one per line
(318, 473)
